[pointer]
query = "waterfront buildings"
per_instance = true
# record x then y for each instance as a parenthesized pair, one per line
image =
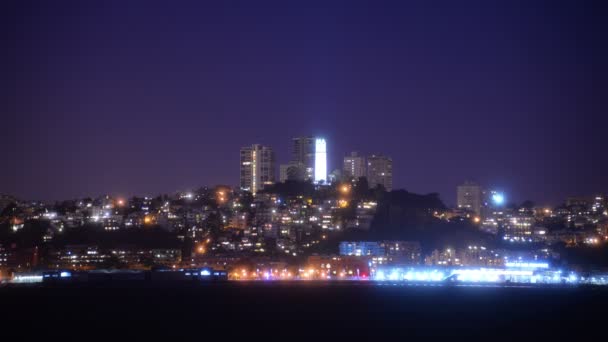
(360, 248)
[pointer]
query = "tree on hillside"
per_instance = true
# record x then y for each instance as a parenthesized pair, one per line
(213, 225)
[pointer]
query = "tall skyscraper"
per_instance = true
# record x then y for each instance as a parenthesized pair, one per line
(257, 167)
(354, 166)
(303, 153)
(320, 161)
(469, 197)
(311, 154)
(380, 171)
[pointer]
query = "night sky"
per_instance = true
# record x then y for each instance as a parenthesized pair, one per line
(128, 97)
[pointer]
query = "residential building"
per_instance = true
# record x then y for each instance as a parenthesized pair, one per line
(354, 166)
(380, 171)
(257, 168)
(469, 197)
(303, 153)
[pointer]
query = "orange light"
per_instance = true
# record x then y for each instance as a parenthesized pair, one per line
(121, 202)
(343, 203)
(147, 219)
(476, 219)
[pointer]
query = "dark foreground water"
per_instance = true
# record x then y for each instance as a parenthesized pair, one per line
(310, 311)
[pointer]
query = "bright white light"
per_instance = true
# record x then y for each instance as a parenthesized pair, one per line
(320, 160)
(205, 273)
(527, 264)
(498, 198)
(437, 276)
(421, 276)
(27, 279)
(65, 274)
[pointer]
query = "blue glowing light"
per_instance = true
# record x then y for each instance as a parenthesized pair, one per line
(498, 198)
(65, 274)
(205, 273)
(515, 272)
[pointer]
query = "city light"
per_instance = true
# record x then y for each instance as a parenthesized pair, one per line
(345, 189)
(221, 196)
(320, 161)
(27, 279)
(498, 198)
(474, 275)
(527, 264)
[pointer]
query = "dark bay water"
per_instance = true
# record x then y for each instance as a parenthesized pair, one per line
(306, 310)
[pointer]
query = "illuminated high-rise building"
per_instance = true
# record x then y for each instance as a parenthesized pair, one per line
(257, 167)
(311, 154)
(380, 171)
(469, 197)
(320, 161)
(354, 166)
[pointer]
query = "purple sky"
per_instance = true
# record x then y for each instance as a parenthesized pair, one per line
(128, 97)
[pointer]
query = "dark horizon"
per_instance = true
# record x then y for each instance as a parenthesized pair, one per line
(143, 98)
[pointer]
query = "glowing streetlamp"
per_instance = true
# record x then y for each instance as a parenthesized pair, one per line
(345, 189)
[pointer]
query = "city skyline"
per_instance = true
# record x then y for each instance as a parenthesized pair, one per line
(451, 93)
(325, 170)
(272, 172)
